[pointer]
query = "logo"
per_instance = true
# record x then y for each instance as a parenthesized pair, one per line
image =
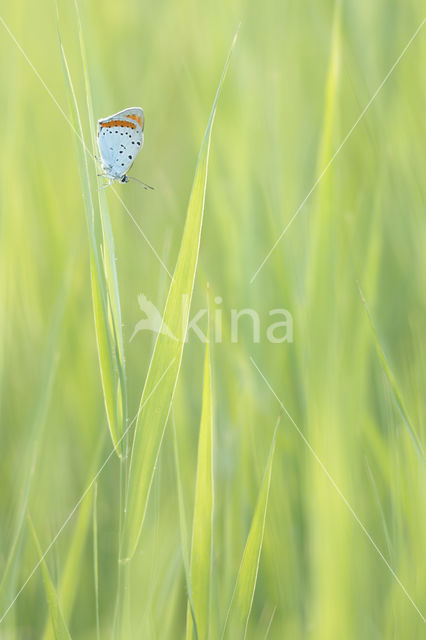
(224, 326)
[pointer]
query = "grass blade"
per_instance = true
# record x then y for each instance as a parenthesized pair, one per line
(69, 582)
(184, 533)
(202, 528)
(95, 559)
(242, 598)
(321, 220)
(108, 248)
(153, 419)
(395, 391)
(37, 428)
(103, 279)
(59, 627)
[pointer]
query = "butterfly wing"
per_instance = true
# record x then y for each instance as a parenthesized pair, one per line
(120, 138)
(134, 113)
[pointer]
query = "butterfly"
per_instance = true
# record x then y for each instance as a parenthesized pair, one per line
(120, 138)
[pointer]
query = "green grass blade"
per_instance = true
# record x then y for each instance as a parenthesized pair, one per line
(152, 420)
(106, 354)
(59, 627)
(68, 584)
(321, 217)
(96, 559)
(184, 533)
(108, 248)
(37, 428)
(395, 391)
(202, 528)
(70, 576)
(103, 281)
(239, 610)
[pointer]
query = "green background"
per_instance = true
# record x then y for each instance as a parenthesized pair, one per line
(300, 76)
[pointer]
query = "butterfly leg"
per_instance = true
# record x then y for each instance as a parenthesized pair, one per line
(105, 186)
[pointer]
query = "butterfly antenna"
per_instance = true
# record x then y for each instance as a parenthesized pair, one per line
(145, 186)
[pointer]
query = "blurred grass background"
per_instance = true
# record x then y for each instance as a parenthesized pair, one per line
(299, 78)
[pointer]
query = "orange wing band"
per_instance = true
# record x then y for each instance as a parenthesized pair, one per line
(118, 123)
(138, 119)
